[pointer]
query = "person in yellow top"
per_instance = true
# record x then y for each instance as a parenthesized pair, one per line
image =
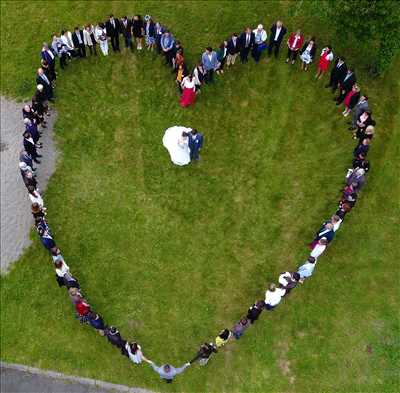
(223, 338)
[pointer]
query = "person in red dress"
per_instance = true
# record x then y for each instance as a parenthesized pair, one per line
(351, 99)
(188, 96)
(324, 61)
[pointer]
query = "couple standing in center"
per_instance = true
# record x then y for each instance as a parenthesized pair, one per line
(183, 144)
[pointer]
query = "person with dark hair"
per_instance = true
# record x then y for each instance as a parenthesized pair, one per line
(198, 76)
(188, 96)
(28, 178)
(351, 99)
(362, 148)
(56, 255)
(239, 328)
(223, 337)
(255, 310)
(30, 147)
(45, 235)
(307, 53)
(325, 231)
(78, 41)
(320, 248)
(324, 62)
(135, 353)
(168, 372)
(112, 29)
(294, 43)
(306, 270)
(246, 43)
(167, 44)
(34, 195)
(126, 30)
(204, 353)
(100, 34)
(277, 33)
(38, 211)
(338, 73)
(137, 31)
(363, 122)
(288, 281)
(222, 52)
(361, 106)
(89, 39)
(114, 337)
(361, 162)
(346, 85)
(196, 140)
(50, 58)
(233, 49)
(210, 63)
(96, 321)
(343, 209)
(63, 276)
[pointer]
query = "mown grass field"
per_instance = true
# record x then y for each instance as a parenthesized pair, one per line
(172, 255)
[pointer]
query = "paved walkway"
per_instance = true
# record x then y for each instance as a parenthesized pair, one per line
(17, 378)
(16, 219)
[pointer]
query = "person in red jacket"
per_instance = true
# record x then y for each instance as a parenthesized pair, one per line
(82, 308)
(294, 43)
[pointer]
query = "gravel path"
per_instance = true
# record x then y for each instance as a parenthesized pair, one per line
(16, 378)
(16, 219)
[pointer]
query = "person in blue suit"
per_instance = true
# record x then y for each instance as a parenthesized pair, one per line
(210, 63)
(195, 144)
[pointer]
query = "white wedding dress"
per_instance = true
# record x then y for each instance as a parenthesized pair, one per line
(177, 146)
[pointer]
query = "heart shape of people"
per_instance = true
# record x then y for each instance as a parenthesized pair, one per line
(193, 178)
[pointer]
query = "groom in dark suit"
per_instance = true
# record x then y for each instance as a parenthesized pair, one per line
(195, 144)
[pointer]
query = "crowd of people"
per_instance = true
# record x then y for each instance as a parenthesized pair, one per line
(69, 45)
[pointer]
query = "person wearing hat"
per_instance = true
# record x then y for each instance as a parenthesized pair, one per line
(149, 33)
(260, 39)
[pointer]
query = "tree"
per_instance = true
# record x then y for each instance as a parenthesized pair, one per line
(371, 28)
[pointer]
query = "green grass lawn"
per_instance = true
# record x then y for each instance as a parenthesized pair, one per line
(172, 255)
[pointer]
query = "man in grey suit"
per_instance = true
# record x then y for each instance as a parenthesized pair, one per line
(360, 107)
(210, 63)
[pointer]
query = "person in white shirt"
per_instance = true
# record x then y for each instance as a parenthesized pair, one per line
(320, 248)
(336, 222)
(260, 38)
(66, 39)
(273, 296)
(135, 353)
(89, 39)
(100, 35)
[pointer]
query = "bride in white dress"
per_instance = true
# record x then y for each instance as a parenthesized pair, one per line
(176, 141)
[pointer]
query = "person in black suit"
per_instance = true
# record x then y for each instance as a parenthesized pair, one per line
(77, 40)
(338, 73)
(30, 147)
(346, 85)
(113, 28)
(277, 33)
(232, 49)
(126, 30)
(42, 79)
(246, 43)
